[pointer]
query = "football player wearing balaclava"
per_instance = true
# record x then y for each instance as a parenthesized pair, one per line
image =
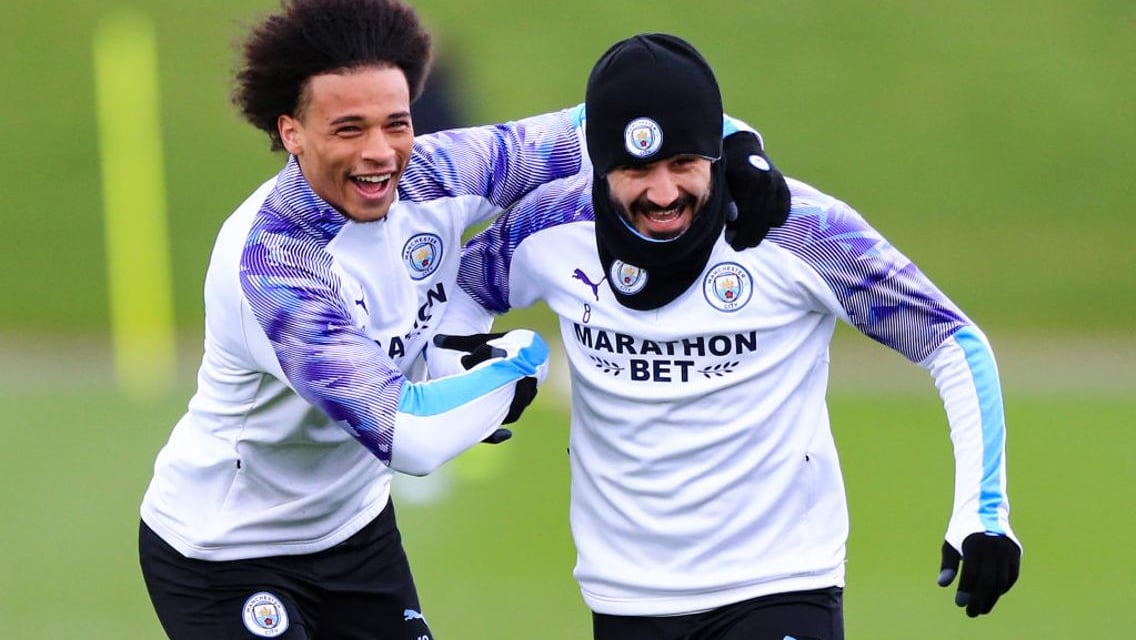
(707, 499)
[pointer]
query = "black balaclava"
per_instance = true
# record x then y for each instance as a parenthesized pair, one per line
(649, 98)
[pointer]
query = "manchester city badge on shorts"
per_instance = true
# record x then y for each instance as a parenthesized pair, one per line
(422, 254)
(642, 137)
(264, 615)
(627, 278)
(727, 286)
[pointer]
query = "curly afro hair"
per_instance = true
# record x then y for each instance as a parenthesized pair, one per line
(312, 37)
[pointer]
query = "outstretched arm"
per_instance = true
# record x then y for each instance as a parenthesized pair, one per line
(493, 166)
(979, 533)
(871, 285)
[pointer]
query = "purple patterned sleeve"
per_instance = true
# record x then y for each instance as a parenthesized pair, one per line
(883, 293)
(287, 277)
(486, 258)
(500, 162)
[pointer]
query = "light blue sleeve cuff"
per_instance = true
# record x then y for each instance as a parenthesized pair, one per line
(446, 394)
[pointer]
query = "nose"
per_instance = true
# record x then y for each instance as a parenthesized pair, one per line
(661, 187)
(377, 148)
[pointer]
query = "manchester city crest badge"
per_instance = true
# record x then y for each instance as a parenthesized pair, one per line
(264, 615)
(642, 137)
(422, 254)
(727, 286)
(627, 278)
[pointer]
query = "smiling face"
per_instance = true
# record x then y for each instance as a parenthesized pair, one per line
(661, 199)
(352, 136)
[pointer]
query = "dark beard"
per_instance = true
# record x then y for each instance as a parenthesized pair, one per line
(672, 265)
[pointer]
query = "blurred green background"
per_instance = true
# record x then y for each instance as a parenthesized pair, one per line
(991, 142)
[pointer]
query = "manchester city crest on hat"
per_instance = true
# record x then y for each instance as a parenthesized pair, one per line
(628, 279)
(727, 286)
(264, 615)
(642, 137)
(422, 254)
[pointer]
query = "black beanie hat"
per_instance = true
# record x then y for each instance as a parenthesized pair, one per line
(649, 97)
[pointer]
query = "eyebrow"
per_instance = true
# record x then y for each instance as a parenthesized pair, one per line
(356, 118)
(346, 118)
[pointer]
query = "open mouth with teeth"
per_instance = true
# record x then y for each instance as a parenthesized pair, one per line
(374, 186)
(662, 224)
(664, 216)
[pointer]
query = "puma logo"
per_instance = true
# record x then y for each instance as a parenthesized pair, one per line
(583, 277)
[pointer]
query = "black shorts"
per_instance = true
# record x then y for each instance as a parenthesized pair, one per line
(799, 615)
(360, 588)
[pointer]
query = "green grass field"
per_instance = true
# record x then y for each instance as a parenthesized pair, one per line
(991, 142)
(493, 556)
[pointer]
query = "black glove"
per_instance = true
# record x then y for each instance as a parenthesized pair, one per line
(478, 350)
(990, 565)
(476, 346)
(756, 187)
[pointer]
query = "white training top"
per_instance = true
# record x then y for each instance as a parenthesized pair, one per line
(314, 327)
(704, 470)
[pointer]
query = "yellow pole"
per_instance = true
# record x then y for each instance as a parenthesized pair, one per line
(134, 203)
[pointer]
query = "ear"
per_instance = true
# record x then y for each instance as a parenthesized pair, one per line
(291, 133)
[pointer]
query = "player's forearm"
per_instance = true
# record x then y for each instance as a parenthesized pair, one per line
(967, 378)
(423, 443)
(439, 419)
(533, 151)
(412, 427)
(500, 163)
